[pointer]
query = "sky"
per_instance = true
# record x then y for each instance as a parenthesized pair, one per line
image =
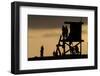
(46, 30)
(40, 21)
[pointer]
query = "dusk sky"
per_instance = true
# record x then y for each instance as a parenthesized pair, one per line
(39, 21)
(46, 30)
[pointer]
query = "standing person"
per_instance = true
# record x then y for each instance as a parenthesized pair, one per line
(41, 51)
(64, 32)
(58, 51)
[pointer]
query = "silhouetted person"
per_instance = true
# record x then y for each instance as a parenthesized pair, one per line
(54, 53)
(64, 32)
(72, 51)
(77, 49)
(41, 51)
(58, 51)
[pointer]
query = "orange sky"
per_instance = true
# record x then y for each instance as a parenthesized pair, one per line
(39, 33)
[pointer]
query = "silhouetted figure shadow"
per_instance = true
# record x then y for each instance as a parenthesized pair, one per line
(41, 51)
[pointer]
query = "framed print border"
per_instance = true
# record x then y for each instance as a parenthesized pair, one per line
(15, 37)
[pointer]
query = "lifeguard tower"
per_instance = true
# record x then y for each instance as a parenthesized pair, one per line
(68, 38)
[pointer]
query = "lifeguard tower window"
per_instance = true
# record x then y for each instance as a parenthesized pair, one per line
(75, 31)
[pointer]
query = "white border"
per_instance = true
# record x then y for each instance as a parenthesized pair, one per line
(26, 65)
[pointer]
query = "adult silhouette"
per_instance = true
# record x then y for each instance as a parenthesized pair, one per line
(58, 51)
(41, 51)
(64, 32)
